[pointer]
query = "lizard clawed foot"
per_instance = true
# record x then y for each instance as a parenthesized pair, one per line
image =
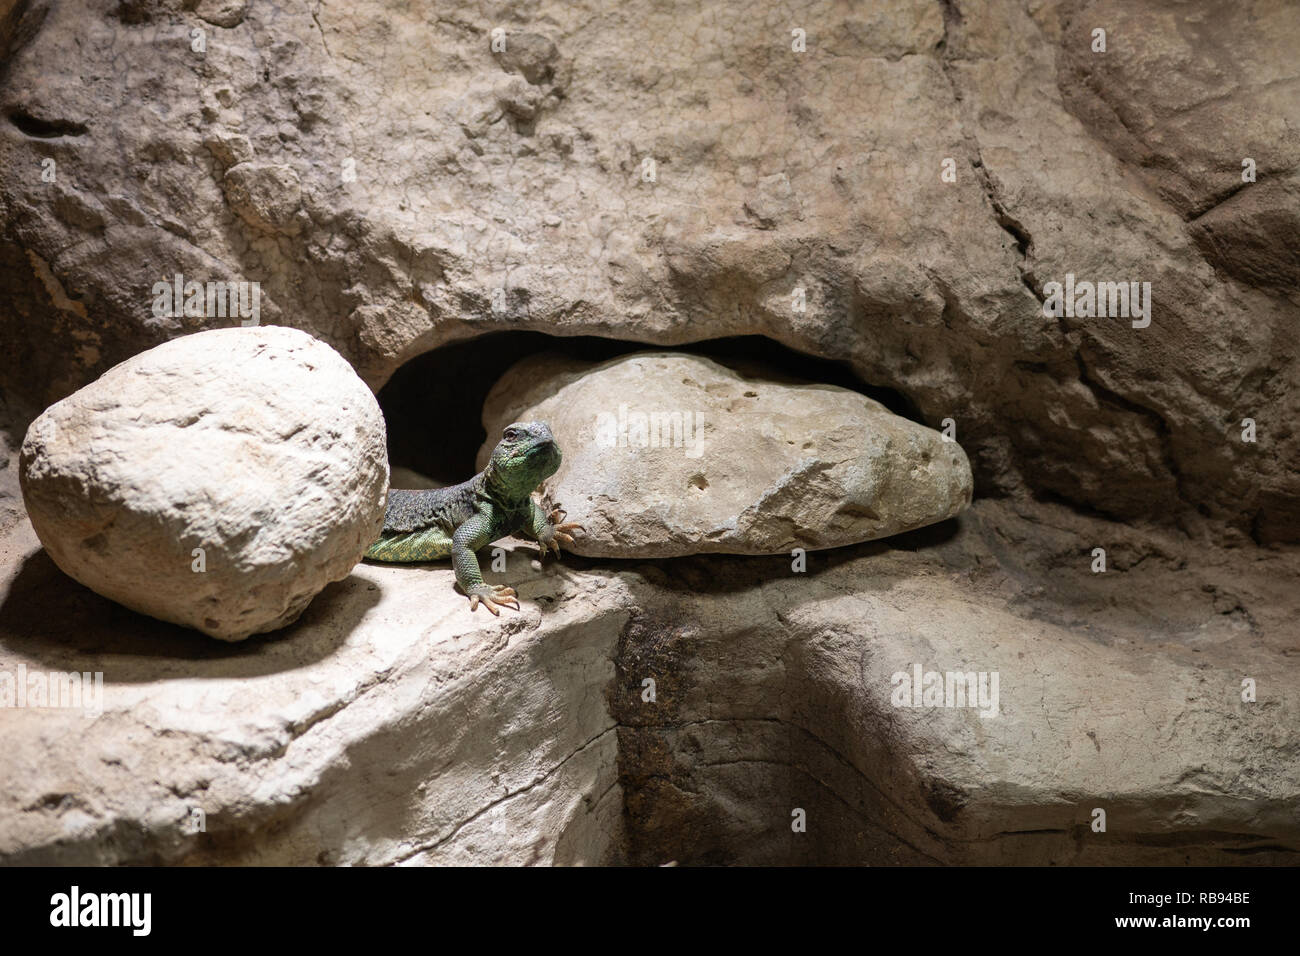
(493, 596)
(561, 533)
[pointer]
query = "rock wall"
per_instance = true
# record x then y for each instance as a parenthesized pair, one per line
(675, 175)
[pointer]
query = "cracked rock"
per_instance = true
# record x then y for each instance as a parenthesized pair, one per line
(778, 174)
(267, 196)
(531, 54)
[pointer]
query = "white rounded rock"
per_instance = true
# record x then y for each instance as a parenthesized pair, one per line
(668, 454)
(218, 481)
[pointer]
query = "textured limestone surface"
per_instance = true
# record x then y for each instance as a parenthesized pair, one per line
(669, 174)
(219, 480)
(388, 725)
(668, 454)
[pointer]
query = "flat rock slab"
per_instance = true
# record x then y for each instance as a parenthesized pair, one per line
(218, 481)
(668, 454)
(389, 725)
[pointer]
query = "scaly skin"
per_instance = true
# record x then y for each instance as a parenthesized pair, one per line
(495, 503)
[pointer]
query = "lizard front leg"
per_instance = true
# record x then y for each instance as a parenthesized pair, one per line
(549, 530)
(468, 538)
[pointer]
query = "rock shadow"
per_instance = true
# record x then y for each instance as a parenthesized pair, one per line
(57, 624)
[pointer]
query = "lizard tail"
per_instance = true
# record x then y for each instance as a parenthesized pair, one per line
(407, 547)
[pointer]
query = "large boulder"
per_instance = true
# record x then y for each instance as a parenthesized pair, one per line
(217, 481)
(669, 454)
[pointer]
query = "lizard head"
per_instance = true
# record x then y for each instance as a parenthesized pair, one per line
(525, 456)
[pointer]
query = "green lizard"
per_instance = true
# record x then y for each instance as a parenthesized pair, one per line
(458, 521)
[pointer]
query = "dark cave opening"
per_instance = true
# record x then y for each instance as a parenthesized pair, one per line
(433, 404)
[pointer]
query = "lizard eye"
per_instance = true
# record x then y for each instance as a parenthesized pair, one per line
(511, 434)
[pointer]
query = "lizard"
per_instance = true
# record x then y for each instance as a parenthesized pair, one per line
(459, 520)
